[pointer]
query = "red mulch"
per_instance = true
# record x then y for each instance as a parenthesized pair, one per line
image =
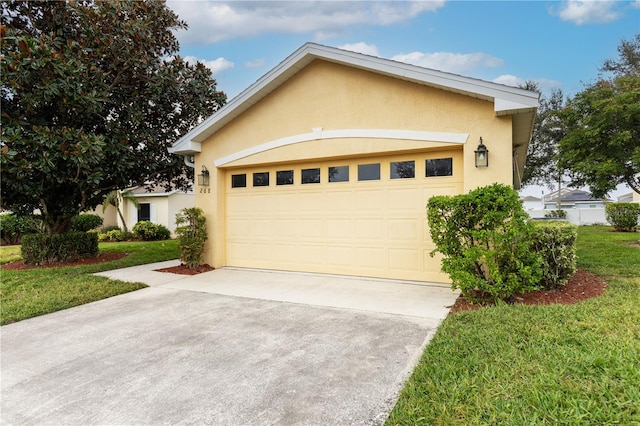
(184, 270)
(583, 285)
(19, 265)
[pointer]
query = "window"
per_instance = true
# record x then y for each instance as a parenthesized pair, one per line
(369, 171)
(440, 167)
(144, 212)
(310, 175)
(339, 174)
(239, 181)
(284, 177)
(403, 169)
(261, 179)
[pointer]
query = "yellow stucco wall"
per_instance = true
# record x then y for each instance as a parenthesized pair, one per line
(332, 97)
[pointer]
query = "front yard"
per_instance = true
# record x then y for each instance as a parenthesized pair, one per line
(33, 292)
(555, 364)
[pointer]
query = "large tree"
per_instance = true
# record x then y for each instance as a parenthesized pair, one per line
(92, 97)
(541, 167)
(602, 146)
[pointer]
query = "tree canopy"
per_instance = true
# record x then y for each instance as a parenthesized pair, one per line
(602, 145)
(541, 167)
(92, 97)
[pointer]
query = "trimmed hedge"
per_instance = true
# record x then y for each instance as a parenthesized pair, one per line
(14, 227)
(147, 231)
(42, 249)
(556, 243)
(85, 222)
(623, 216)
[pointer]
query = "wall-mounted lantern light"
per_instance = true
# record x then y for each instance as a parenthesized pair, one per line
(203, 178)
(482, 155)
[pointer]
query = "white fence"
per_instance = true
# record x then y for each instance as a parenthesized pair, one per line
(595, 216)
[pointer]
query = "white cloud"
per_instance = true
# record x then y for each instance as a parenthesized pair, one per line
(583, 12)
(213, 21)
(216, 66)
(361, 47)
(458, 63)
(545, 85)
(256, 63)
(636, 4)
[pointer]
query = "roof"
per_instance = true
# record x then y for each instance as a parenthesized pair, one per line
(520, 103)
(530, 198)
(574, 196)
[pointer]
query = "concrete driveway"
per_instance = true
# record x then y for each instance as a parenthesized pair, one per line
(184, 352)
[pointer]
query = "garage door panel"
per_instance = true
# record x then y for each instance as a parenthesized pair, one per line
(341, 256)
(371, 229)
(371, 257)
(405, 229)
(368, 228)
(340, 229)
(405, 259)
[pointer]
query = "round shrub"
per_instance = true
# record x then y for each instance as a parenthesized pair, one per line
(85, 222)
(556, 242)
(486, 243)
(147, 231)
(623, 216)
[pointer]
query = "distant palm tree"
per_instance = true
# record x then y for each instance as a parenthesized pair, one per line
(115, 198)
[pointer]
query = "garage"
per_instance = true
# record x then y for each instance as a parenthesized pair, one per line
(326, 163)
(363, 216)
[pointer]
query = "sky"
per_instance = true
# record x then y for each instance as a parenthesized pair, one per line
(558, 44)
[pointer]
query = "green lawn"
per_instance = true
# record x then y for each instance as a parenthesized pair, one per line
(29, 293)
(539, 365)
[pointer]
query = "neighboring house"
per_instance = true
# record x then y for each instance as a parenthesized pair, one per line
(531, 203)
(326, 163)
(155, 205)
(573, 199)
(632, 197)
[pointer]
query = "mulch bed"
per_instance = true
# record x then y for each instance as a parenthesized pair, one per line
(583, 285)
(184, 270)
(19, 265)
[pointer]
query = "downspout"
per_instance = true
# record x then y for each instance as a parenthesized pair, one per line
(188, 162)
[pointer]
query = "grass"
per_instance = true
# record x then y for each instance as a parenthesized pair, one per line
(33, 292)
(539, 365)
(9, 254)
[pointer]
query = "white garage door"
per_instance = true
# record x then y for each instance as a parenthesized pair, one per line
(362, 217)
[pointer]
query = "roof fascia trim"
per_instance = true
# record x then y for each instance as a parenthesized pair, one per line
(319, 134)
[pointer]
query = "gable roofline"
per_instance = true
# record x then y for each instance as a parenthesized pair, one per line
(507, 100)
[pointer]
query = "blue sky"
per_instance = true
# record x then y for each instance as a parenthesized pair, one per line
(559, 44)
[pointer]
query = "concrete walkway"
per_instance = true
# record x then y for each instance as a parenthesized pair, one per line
(188, 351)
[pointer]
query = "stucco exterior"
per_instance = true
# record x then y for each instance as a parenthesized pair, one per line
(331, 113)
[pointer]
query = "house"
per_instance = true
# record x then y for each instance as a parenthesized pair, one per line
(530, 202)
(632, 197)
(155, 204)
(326, 163)
(573, 199)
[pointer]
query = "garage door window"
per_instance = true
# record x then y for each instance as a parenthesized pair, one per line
(439, 167)
(339, 174)
(369, 171)
(284, 177)
(403, 169)
(310, 175)
(261, 179)
(239, 181)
